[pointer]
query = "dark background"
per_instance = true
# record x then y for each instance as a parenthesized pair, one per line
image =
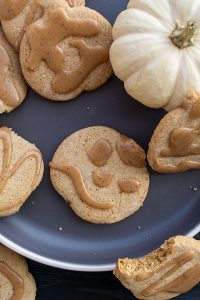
(55, 284)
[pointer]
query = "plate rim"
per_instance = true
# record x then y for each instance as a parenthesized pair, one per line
(66, 265)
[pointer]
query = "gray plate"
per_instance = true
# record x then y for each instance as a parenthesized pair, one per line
(171, 207)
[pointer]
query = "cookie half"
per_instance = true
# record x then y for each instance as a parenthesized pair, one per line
(21, 171)
(175, 144)
(17, 15)
(66, 52)
(13, 87)
(16, 282)
(165, 273)
(101, 174)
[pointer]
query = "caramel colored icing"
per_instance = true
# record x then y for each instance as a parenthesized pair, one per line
(44, 40)
(77, 178)
(130, 153)
(100, 152)
(7, 171)
(181, 167)
(10, 9)
(15, 280)
(8, 92)
(128, 185)
(32, 12)
(102, 178)
(195, 110)
(181, 284)
(182, 142)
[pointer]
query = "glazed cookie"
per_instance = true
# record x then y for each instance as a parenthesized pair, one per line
(175, 144)
(21, 171)
(66, 52)
(100, 174)
(13, 87)
(16, 15)
(16, 282)
(167, 272)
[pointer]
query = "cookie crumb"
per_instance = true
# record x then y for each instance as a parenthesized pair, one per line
(88, 107)
(193, 188)
(139, 227)
(60, 228)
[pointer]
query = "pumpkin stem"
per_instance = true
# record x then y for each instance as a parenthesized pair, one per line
(183, 37)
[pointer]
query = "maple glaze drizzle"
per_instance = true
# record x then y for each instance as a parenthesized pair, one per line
(44, 42)
(77, 178)
(8, 92)
(194, 112)
(100, 152)
(181, 142)
(15, 280)
(102, 178)
(130, 153)
(177, 285)
(10, 9)
(7, 172)
(128, 186)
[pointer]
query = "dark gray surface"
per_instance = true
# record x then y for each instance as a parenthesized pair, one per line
(170, 208)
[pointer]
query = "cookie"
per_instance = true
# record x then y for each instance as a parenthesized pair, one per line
(66, 52)
(16, 282)
(21, 172)
(13, 87)
(101, 174)
(175, 144)
(16, 15)
(165, 273)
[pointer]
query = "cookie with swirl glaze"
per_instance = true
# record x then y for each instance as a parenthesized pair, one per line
(16, 282)
(20, 173)
(165, 273)
(101, 174)
(66, 51)
(17, 15)
(13, 87)
(175, 144)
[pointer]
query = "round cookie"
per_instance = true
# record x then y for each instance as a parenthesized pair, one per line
(165, 273)
(66, 52)
(16, 282)
(21, 172)
(13, 87)
(175, 144)
(101, 174)
(22, 14)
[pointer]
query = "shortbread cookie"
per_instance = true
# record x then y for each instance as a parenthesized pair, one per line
(100, 174)
(17, 15)
(16, 282)
(13, 87)
(175, 144)
(167, 272)
(66, 52)
(21, 171)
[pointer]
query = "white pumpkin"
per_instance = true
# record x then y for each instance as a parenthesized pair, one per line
(156, 50)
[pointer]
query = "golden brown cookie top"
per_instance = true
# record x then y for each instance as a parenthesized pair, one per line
(44, 40)
(16, 283)
(21, 172)
(69, 47)
(88, 171)
(12, 85)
